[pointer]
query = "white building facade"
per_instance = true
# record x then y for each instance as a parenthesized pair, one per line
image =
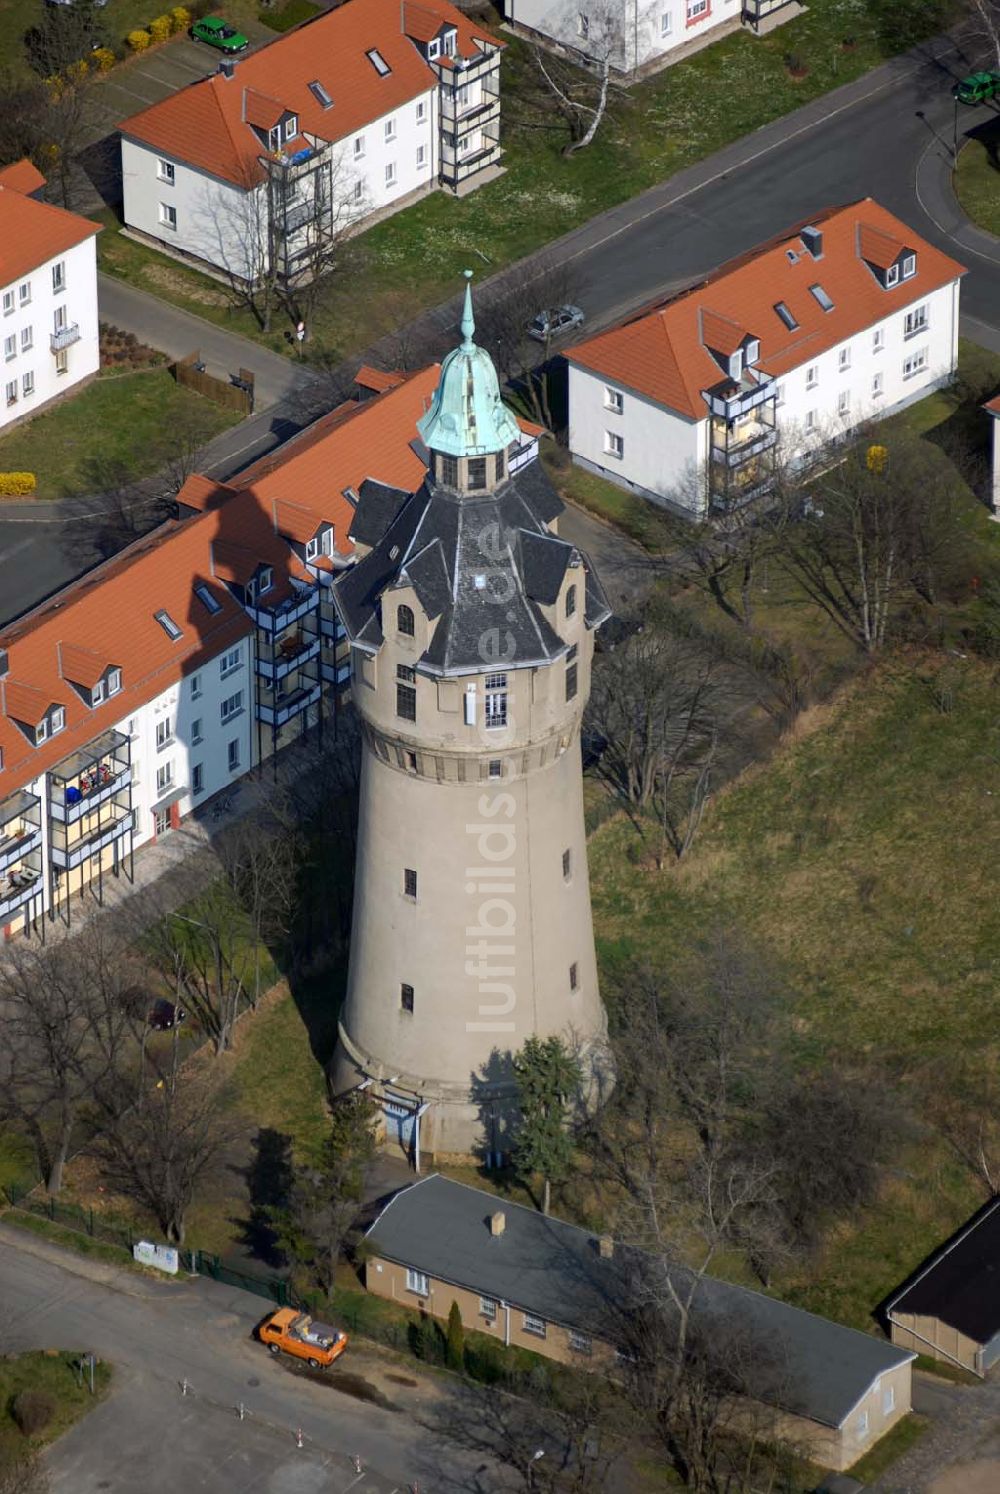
(836, 325)
(331, 127)
(48, 303)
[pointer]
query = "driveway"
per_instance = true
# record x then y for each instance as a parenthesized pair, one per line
(960, 1452)
(152, 76)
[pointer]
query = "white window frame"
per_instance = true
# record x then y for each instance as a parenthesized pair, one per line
(667, 23)
(359, 147)
(62, 361)
(878, 340)
(291, 127)
(915, 321)
(233, 754)
(915, 364)
(844, 403)
(231, 660)
(57, 720)
(449, 42)
(417, 1282)
(877, 386)
(421, 157)
(196, 732)
(390, 174)
(312, 548)
(433, 50)
(10, 347)
(197, 778)
(28, 383)
(843, 360)
(58, 277)
(12, 392)
(359, 190)
(863, 1427)
(166, 172)
(488, 1307)
(736, 363)
(614, 444)
(24, 293)
(696, 9)
(812, 376)
(536, 1326)
(580, 1343)
(614, 400)
(164, 732)
(811, 421)
(265, 580)
(114, 681)
(888, 1399)
(168, 216)
(27, 338)
(892, 276)
(909, 266)
(421, 111)
(165, 776)
(495, 702)
(8, 303)
(231, 707)
(390, 128)
(97, 694)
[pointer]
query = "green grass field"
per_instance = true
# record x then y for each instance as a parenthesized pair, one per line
(977, 182)
(123, 418)
(52, 1371)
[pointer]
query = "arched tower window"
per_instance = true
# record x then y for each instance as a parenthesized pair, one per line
(571, 601)
(404, 620)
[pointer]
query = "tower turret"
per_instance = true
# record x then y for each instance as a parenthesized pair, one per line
(471, 626)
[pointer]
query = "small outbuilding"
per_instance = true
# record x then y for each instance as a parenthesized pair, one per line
(950, 1308)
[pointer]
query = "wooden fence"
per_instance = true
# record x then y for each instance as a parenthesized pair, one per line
(236, 395)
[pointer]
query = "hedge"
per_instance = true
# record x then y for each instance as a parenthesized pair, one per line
(16, 484)
(180, 18)
(160, 29)
(138, 40)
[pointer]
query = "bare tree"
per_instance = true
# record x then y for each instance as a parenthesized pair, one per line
(984, 20)
(590, 46)
(69, 1012)
(159, 1153)
(260, 863)
(963, 1106)
(206, 957)
(503, 323)
(655, 704)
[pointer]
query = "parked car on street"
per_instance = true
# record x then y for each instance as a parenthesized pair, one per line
(555, 322)
(977, 88)
(290, 1332)
(218, 33)
(164, 1016)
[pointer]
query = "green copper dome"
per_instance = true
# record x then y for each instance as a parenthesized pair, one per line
(467, 417)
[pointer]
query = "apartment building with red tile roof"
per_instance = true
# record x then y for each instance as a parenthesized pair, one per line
(48, 296)
(841, 320)
(376, 102)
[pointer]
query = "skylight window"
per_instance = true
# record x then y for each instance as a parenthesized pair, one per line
(821, 296)
(378, 62)
(205, 597)
(786, 316)
(168, 625)
(320, 94)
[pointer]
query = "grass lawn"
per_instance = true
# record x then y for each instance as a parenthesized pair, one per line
(49, 1370)
(122, 418)
(870, 884)
(890, 1449)
(292, 14)
(977, 183)
(661, 125)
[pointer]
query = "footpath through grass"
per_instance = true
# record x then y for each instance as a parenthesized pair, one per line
(119, 419)
(670, 121)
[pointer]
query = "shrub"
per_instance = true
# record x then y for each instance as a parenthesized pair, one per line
(161, 28)
(180, 18)
(138, 40)
(455, 1345)
(103, 59)
(77, 71)
(16, 484)
(33, 1410)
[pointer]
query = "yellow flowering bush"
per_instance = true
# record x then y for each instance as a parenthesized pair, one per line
(138, 40)
(77, 71)
(16, 484)
(180, 18)
(160, 29)
(103, 59)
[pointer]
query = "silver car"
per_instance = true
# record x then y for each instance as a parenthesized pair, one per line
(555, 322)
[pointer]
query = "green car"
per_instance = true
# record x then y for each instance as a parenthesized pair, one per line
(218, 33)
(977, 88)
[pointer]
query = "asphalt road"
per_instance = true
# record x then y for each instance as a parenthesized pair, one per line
(159, 1335)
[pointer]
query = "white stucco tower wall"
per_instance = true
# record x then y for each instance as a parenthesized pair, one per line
(472, 649)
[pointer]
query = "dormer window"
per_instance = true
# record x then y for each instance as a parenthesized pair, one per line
(752, 352)
(97, 693)
(266, 580)
(312, 549)
(57, 720)
(41, 731)
(909, 265)
(892, 276)
(433, 50)
(736, 363)
(291, 126)
(114, 681)
(326, 540)
(449, 42)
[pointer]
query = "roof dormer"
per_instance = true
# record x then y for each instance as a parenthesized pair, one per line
(733, 348)
(94, 677)
(36, 716)
(889, 260)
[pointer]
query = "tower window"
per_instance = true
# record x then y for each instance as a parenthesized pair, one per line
(571, 601)
(567, 864)
(406, 996)
(406, 702)
(411, 761)
(404, 620)
(477, 473)
(501, 464)
(448, 471)
(574, 977)
(571, 681)
(496, 701)
(409, 882)
(496, 767)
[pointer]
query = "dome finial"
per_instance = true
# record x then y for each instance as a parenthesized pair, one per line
(468, 323)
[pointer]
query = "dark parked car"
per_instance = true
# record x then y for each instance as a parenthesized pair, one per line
(164, 1016)
(555, 322)
(977, 88)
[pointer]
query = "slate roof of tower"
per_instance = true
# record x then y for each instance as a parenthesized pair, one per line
(445, 547)
(545, 1266)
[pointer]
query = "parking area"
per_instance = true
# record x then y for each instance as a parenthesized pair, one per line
(151, 77)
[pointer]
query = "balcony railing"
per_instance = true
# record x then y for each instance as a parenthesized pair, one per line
(730, 407)
(459, 170)
(471, 67)
(735, 453)
(331, 626)
(67, 856)
(462, 119)
(284, 708)
(17, 889)
(89, 777)
(273, 620)
(276, 661)
(65, 337)
(335, 673)
(20, 827)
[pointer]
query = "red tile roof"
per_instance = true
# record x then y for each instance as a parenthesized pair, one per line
(31, 232)
(22, 176)
(206, 123)
(993, 405)
(82, 666)
(377, 378)
(661, 351)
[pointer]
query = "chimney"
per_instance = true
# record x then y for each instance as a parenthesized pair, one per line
(605, 1247)
(812, 238)
(498, 1223)
(227, 67)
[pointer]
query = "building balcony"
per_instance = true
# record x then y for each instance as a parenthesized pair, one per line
(281, 707)
(334, 672)
(453, 172)
(20, 828)
(275, 661)
(90, 777)
(734, 452)
(460, 119)
(64, 338)
(67, 854)
(732, 406)
(18, 889)
(331, 627)
(274, 619)
(467, 67)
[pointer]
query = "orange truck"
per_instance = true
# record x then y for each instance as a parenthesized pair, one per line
(290, 1332)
